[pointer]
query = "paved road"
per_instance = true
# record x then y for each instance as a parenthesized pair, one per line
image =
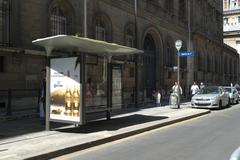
(212, 137)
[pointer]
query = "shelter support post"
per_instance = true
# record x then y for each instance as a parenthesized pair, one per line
(136, 81)
(109, 87)
(82, 89)
(47, 114)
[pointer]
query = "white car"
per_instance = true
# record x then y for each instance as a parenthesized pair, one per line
(233, 94)
(210, 97)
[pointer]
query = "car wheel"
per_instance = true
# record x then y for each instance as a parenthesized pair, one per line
(220, 104)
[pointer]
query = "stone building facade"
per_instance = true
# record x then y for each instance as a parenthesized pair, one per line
(231, 23)
(154, 29)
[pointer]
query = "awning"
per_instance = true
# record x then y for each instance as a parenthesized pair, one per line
(84, 45)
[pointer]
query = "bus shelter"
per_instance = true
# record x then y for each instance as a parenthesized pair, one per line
(68, 88)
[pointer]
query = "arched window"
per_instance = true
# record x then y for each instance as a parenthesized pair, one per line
(4, 22)
(61, 18)
(100, 32)
(102, 27)
(58, 21)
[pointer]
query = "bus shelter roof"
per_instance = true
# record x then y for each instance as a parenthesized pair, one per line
(83, 45)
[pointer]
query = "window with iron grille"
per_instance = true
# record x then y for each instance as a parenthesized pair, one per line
(4, 22)
(58, 22)
(100, 33)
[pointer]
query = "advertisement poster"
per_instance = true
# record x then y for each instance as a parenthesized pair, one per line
(65, 89)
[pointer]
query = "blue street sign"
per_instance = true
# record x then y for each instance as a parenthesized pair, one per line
(186, 54)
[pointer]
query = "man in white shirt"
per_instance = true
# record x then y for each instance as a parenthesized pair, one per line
(194, 88)
(175, 88)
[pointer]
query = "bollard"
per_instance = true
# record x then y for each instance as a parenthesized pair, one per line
(9, 106)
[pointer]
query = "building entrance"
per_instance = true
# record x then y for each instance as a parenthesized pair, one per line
(149, 63)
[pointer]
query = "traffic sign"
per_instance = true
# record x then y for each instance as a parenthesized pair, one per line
(186, 54)
(178, 45)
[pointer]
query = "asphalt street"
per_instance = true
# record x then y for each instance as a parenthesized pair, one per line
(211, 137)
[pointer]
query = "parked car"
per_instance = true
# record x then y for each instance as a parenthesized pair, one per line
(238, 89)
(235, 155)
(210, 97)
(233, 94)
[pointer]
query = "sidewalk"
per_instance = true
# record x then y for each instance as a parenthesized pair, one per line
(27, 139)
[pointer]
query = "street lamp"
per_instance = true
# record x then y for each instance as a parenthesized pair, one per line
(178, 45)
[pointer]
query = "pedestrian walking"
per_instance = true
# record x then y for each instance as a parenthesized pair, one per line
(175, 95)
(42, 101)
(177, 88)
(194, 88)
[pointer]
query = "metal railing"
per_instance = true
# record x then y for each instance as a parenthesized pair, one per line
(15, 100)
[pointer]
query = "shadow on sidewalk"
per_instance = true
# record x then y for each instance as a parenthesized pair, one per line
(20, 127)
(113, 124)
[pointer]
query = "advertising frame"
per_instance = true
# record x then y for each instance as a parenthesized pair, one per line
(79, 71)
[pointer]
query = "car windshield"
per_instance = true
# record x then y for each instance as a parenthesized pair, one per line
(209, 90)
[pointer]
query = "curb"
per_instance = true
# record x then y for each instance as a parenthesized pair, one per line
(76, 148)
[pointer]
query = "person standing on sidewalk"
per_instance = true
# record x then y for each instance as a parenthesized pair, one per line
(157, 96)
(194, 88)
(42, 102)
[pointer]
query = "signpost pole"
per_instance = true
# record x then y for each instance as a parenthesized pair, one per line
(178, 45)
(178, 80)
